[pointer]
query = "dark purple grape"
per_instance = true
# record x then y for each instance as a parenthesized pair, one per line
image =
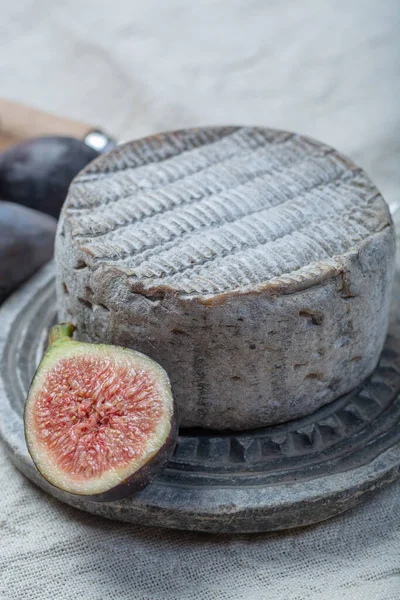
(26, 243)
(37, 172)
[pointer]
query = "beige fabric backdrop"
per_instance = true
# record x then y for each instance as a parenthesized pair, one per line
(329, 69)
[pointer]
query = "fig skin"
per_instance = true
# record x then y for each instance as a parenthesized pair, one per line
(26, 243)
(37, 172)
(60, 339)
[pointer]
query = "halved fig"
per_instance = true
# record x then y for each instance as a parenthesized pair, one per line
(99, 419)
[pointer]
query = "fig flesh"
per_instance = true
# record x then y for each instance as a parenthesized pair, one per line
(37, 172)
(99, 419)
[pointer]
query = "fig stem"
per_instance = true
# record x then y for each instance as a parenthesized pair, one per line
(60, 331)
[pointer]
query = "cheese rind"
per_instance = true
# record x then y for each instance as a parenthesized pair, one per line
(254, 265)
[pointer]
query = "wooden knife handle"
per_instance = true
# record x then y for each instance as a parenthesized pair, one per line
(18, 122)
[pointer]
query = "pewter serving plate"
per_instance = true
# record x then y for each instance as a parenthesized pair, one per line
(279, 477)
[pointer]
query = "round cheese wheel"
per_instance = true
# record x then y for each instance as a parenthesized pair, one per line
(255, 265)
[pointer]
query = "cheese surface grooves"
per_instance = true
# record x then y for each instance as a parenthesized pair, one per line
(234, 217)
(204, 220)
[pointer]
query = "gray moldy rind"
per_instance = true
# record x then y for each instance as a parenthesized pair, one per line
(250, 356)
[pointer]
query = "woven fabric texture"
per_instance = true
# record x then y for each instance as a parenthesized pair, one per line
(49, 550)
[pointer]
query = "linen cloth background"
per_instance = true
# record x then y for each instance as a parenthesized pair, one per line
(328, 69)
